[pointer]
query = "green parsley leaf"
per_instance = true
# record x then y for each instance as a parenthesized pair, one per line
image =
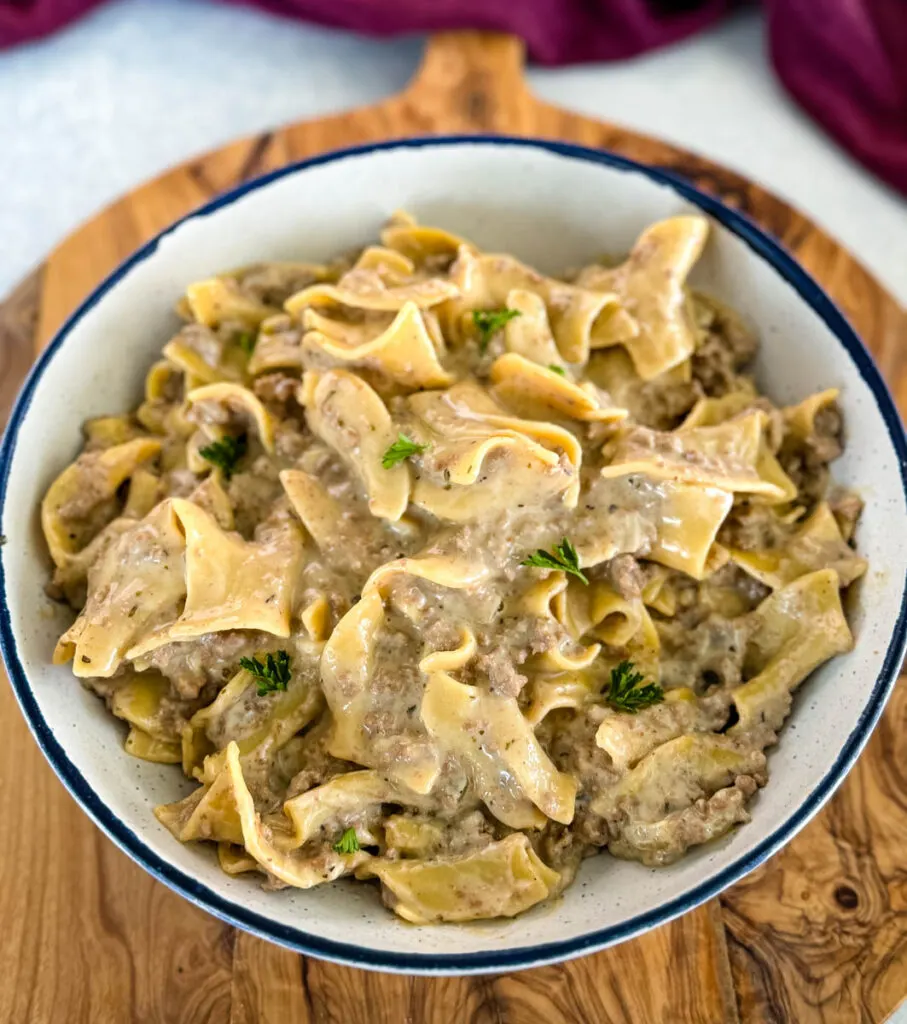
(348, 843)
(247, 340)
(271, 675)
(625, 692)
(564, 558)
(401, 450)
(489, 322)
(554, 368)
(225, 453)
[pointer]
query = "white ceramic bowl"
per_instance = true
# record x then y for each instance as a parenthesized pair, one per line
(554, 206)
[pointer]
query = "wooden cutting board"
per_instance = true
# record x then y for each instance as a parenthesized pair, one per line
(817, 934)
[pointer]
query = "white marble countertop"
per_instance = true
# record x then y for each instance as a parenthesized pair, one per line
(140, 84)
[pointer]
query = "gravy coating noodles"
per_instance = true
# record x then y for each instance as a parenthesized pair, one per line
(431, 570)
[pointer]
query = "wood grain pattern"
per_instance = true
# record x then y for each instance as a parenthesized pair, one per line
(818, 934)
(18, 320)
(688, 958)
(86, 935)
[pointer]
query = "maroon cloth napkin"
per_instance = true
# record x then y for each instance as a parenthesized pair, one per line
(845, 61)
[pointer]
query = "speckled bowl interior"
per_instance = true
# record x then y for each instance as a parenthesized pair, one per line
(555, 207)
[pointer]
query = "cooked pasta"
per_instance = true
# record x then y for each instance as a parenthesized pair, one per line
(434, 571)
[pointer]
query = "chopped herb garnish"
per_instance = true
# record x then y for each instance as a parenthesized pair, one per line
(625, 692)
(271, 675)
(401, 450)
(564, 558)
(225, 453)
(489, 322)
(2, 539)
(348, 843)
(559, 370)
(247, 341)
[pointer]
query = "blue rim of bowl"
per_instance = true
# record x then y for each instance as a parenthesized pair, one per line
(461, 963)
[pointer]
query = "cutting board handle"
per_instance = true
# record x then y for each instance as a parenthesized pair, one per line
(473, 79)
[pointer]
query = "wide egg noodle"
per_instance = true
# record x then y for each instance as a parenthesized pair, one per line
(149, 748)
(528, 335)
(140, 699)
(343, 530)
(349, 416)
(675, 774)
(261, 725)
(357, 796)
(393, 267)
(198, 370)
(403, 351)
(689, 523)
(507, 747)
(485, 281)
(598, 610)
(552, 691)
(540, 392)
(292, 867)
(627, 739)
(96, 475)
(687, 785)
(799, 627)
(725, 456)
(800, 419)
(463, 428)
(502, 880)
(219, 299)
(347, 670)
(136, 585)
(710, 412)
(674, 524)
(366, 290)
(208, 813)
(320, 513)
(816, 544)
(542, 600)
(230, 583)
(241, 401)
(650, 286)
(419, 242)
